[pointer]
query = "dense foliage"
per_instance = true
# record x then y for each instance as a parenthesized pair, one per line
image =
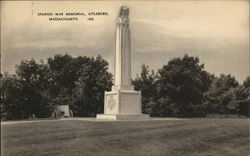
(181, 88)
(26, 92)
(37, 88)
(80, 82)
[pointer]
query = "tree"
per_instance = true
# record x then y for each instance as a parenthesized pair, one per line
(183, 81)
(146, 83)
(246, 83)
(242, 96)
(219, 99)
(62, 76)
(80, 82)
(26, 93)
(94, 80)
(34, 81)
(11, 108)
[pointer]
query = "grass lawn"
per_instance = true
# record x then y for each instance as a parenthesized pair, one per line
(229, 137)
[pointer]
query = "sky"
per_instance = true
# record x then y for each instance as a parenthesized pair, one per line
(215, 31)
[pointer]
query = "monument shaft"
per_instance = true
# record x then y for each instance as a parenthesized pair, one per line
(123, 52)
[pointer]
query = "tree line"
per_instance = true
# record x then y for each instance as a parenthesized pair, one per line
(37, 87)
(181, 88)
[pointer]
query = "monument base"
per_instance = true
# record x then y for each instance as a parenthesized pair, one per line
(122, 117)
(122, 105)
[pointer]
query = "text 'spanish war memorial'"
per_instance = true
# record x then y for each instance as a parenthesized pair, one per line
(122, 102)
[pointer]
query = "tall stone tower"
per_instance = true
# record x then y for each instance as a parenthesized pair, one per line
(123, 52)
(122, 102)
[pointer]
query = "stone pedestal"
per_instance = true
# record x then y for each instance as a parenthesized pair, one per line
(122, 104)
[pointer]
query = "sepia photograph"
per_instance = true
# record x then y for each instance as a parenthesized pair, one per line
(125, 78)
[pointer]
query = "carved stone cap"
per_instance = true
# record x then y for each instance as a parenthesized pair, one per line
(124, 12)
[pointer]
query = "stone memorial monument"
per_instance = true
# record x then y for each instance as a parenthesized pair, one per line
(122, 102)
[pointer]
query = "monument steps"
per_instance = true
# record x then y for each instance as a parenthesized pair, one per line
(122, 116)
